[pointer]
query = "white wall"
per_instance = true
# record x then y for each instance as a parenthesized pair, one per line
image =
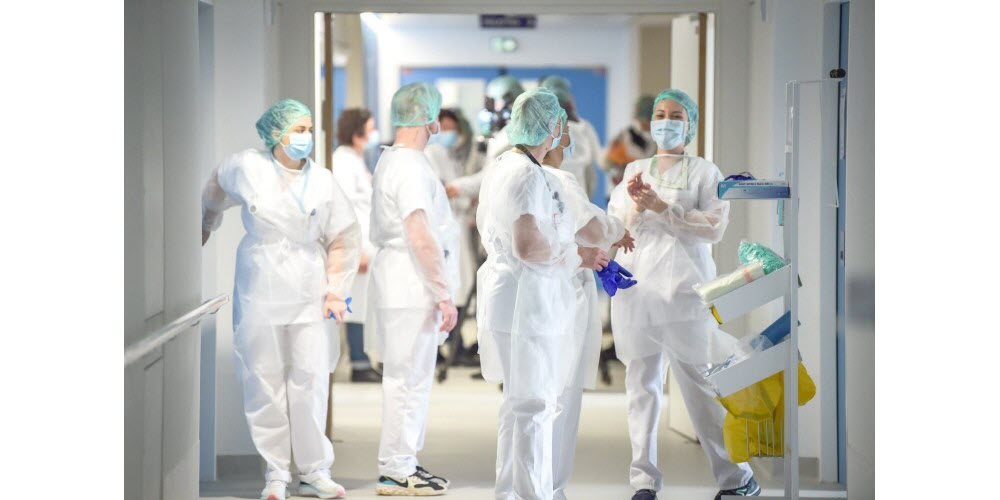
(555, 46)
(163, 281)
(789, 45)
(684, 59)
(246, 79)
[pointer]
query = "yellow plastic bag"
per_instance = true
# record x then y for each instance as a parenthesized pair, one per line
(755, 416)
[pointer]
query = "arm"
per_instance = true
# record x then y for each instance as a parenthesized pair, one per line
(214, 201)
(705, 224)
(427, 255)
(342, 239)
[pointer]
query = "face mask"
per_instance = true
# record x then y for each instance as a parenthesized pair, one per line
(556, 139)
(446, 138)
(299, 145)
(373, 140)
(432, 134)
(568, 150)
(668, 134)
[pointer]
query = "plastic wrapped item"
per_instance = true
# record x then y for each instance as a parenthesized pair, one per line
(755, 415)
(729, 282)
(755, 252)
(772, 335)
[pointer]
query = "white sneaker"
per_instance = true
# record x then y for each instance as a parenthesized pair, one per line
(275, 490)
(322, 487)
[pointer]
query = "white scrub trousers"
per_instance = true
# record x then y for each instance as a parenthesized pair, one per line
(525, 462)
(644, 392)
(286, 375)
(410, 340)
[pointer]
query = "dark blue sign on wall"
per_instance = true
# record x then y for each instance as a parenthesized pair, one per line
(505, 21)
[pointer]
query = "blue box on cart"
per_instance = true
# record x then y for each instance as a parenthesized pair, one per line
(753, 190)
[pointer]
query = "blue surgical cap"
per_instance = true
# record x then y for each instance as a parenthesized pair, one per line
(556, 82)
(415, 104)
(280, 117)
(533, 117)
(504, 86)
(690, 106)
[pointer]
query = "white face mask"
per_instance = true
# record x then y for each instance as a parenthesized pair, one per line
(668, 134)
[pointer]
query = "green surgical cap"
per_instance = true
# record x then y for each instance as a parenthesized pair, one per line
(689, 105)
(276, 121)
(556, 82)
(644, 107)
(502, 86)
(415, 104)
(533, 116)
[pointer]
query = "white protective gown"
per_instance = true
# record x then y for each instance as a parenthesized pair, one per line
(586, 154)
(406, 285)
(448, 169)
(525, 317)
(469, 185)
(662, 321)
(302, 241)
(673, 253)
(596, 229)
(355, 180)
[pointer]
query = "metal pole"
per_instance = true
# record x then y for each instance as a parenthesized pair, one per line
(791, 399)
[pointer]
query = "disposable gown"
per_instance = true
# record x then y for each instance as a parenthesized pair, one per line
(302, 240)
(355, 180)
(402, 278)
(663, 313)
(586, 154)
(447, 169)
(524, 287)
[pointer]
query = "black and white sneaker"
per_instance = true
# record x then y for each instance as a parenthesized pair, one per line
(413, 486)
(644, 495)
(751, 489)
(425, 474)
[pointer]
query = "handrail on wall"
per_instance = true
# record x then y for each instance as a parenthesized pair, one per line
(137, 350)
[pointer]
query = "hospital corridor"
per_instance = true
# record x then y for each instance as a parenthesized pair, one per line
(548, 250)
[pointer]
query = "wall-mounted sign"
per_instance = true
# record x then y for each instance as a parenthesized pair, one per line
(525, 21)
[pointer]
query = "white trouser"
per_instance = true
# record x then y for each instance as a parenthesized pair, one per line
(409, 354)
(564, 433)
(524, 439)
(286, 377)
(644, 379)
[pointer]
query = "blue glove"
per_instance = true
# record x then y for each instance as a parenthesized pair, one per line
(348, 302)
(614, 277)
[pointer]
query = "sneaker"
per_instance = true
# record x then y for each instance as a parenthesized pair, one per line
(274, 490)
(365, 375)
(413, 486)
(644, 495)
(425, 474)
(323, 487)
(751, 489)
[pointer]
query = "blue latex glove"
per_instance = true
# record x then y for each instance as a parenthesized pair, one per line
(614, 277)
(348, 302)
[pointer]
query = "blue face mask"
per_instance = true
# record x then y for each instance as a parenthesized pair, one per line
(568, 150)
(374, 139)
(446, 138)
(299, 145)
(668, 134)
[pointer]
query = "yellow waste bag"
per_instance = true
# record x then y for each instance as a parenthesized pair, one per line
(755, 415)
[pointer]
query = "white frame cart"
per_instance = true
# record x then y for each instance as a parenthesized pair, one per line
(781, 283)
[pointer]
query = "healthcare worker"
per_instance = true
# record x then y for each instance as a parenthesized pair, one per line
(670, 205)
(525, 294)
(294, 269)
(596, 232)
(447, 152)
(501, 92)
(588, 146)
(413, 284)
(356, 133)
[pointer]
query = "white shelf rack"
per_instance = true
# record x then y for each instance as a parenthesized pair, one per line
(785, 355)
